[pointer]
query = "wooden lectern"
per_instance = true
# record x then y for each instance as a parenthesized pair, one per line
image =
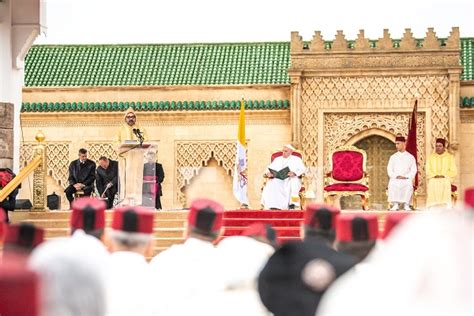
(131, 163)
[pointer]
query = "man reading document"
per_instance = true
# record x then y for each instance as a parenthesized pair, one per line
(283, 185)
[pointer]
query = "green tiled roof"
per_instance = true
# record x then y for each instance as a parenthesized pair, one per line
(172, 64)
(467, 58)
(155, 106)
(467, 102)
(166, 64)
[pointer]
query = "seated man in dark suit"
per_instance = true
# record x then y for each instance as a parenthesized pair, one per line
(106, 179)
(81, 176)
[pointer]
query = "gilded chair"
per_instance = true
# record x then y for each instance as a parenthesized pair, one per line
(348, 175)
(454, 194)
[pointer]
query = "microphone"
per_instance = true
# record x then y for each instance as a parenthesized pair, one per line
(139, 135)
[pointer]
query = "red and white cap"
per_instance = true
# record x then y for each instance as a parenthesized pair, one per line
(321, 216)
(88, 214)
(356, 227)
(205, 216)
(24, 235)
(133, 220)
(392, 220)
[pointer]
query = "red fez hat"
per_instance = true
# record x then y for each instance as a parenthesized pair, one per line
(441, 141)
(19, 289)
(392, 220)
(24, 235)
(88, 214)
(133, 220)
(205, 216)
(400, 139)
(321, 216)
(3, 224)
(261, 230)
(469, 197)
(360, 227)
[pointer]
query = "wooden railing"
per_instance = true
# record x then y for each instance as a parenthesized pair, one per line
(22, 175)
(37, 166)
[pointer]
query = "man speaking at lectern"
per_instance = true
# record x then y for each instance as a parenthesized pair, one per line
(131, 130)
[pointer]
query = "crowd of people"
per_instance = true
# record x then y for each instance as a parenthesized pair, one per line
(420, 265)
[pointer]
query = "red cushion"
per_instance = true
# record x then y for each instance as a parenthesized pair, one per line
(279, 153)
(347, 165)
(454, 188)
(346, 187)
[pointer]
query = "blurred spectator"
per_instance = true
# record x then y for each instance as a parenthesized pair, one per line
(72, 273)
(298, 274)
(356, 235)
(88, 214)
(20, 240)
(262, 232)
(391, 221)
(424, 268)
(19, 291)
(187, 277)
(320, 223)
(129, 276)
(242, 259)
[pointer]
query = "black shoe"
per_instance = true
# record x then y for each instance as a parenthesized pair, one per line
(291, 207)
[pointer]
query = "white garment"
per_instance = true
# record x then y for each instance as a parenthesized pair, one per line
(73, 274)
(242, 259)
(186, 279)
(423, 268)
(280, 193)
(401, 164)
(128, 285)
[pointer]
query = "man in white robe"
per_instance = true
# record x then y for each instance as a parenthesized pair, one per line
(401, 170)
(128, 283)
(186, 278)
(283, 194)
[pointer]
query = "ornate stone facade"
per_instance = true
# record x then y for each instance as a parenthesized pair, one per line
(343, 89)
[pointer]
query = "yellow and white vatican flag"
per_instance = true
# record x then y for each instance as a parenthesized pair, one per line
(240, 169)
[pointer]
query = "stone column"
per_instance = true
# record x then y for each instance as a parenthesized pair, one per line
(455, 119)
(295, 106)
(6, 135)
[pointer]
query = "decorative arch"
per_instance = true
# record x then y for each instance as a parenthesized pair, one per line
(191, 156)
(375, 131)
(348, 128)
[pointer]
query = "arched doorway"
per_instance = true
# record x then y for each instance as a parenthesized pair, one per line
(378, 149)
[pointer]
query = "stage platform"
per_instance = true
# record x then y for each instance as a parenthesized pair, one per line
(170, 226)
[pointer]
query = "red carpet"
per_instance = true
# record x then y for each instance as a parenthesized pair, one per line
(286, 223)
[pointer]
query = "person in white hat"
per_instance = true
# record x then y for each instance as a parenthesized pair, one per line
(283, 194)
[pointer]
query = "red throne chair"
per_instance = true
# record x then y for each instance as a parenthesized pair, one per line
(302, 190)
(347, 175)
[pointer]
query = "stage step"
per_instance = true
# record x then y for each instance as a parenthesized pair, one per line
(62, 223)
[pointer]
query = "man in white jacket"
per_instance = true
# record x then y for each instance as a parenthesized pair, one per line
(128, 285)
(401, 170)
(187, 277)
(283, 194)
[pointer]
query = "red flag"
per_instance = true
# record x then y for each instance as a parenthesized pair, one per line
(411, 138)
